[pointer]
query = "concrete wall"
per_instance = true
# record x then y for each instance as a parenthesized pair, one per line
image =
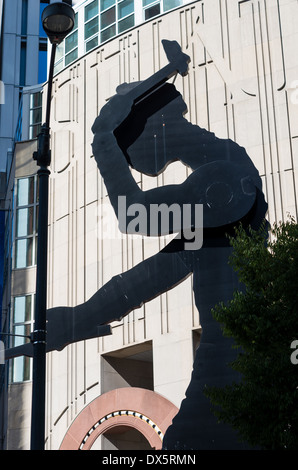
(19, 409)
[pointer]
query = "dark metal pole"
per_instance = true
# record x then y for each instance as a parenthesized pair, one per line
(43, 158)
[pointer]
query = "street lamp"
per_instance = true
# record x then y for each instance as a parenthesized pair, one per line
(58, 21)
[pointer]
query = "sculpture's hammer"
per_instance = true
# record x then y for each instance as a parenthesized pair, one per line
(178, 63)
(176, 57)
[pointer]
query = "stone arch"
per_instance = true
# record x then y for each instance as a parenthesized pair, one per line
(144, 410)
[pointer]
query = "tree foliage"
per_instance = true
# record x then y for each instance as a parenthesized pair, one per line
(263, 320)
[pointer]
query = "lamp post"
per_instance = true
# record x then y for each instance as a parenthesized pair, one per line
(58, 21)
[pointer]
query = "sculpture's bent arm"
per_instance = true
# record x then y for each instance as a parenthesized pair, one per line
(117, 175)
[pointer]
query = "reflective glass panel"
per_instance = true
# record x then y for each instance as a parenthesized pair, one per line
(147, 2)
(58, 67)
(75, 22)
(59, 52)
(24, 226)
(152, 11)
(71, 56)
(34, 131)
(18, 369)
(168, 4)
(23, 255)
(91, 10)
(25, 191)
(125, 8)
(35, 100)
(35, 115)
(104, 4)
(91, 44)
(21, 369)
(71, 42)
(125, 24)
(108, 17)
(108, 33)
(91, 28)
(22, 309)
(22, 330)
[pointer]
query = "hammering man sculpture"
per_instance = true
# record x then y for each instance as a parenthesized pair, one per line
(143, 127)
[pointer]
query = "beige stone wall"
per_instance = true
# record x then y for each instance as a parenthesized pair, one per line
(19, 408)
(241, 85)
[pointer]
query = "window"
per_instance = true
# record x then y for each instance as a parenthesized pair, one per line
(92, 43)
(156, 7)
(26, 225)
(126, 7)
(91, 26)
(35, 115)
(67, 51)
(170, 4)
(116, 17)
(125, 15)
(71, 44)
(91, 10)
(8, 242)
(106, 18)
(59, 58)
(151, 8)
(104, 4)
(22, 325)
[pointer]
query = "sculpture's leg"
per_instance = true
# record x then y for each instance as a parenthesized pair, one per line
(119, 296)
(195, 426)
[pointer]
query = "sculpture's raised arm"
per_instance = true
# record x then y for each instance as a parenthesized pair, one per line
(107, 150)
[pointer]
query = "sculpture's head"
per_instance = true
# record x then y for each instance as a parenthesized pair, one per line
(155, 132)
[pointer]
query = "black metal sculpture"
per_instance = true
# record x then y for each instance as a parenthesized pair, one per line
(143, 127)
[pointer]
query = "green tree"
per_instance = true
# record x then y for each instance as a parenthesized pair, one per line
(263, 320)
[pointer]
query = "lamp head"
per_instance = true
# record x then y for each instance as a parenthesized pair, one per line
(58, 20)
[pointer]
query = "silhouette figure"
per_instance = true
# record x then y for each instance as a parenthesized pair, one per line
(143, 127)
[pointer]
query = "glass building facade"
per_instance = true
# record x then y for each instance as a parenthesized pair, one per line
(26, 222)
(24, 256)
(22, 325)
(98, 21)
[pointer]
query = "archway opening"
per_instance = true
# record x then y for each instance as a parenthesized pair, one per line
(135, 408)
(121, 438)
